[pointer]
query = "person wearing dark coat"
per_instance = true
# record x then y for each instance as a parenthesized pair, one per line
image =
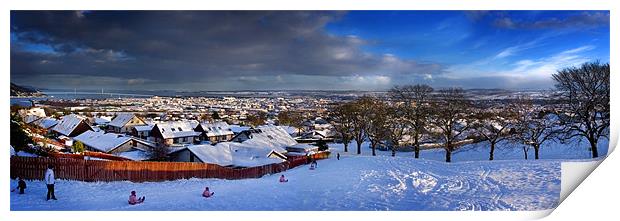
(21, 185)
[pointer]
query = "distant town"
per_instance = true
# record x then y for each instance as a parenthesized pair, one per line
(131, 127)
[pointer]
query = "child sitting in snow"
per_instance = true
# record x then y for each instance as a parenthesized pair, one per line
(133, 200)
(282, 179)
(207, 193)
(21, 185)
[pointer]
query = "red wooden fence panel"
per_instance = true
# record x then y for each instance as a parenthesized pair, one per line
(33, 168)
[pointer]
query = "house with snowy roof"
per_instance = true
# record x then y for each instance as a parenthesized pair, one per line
(124, 123)
(32, 114)
(174, 132)
(214, 132)
(45, 123)
(228, 154)
(71, 126)
(142, 131)
(270, 135)
(102, 121)
(113, 143)
(254, 147)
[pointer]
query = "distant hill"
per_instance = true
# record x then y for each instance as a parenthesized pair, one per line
(22, 91)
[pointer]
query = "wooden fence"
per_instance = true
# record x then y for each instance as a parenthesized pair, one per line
(33, 168)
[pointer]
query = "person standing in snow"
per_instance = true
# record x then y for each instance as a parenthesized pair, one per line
(207, 193)
(338, 156)
(133, 199)
(50, 181)
(21, 185)
(282, 179)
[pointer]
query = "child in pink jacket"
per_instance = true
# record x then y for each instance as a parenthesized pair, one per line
(133, 200)
(207, 193)
(282, 179)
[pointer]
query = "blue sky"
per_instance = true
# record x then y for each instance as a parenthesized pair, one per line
(360, 50)
(477, 45)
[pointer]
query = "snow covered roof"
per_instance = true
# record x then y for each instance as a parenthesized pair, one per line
(304, 146)
(144, 127)
(46, 122)
(193, 123)
(135, 155)
(174, 129)
(30, 118)
(220, 128)
(102, 120)
(290, 129)
(67, 124)
(233, 154)
(273, 137)
(238, 129)
(31, 114)
(121, 119)
(104, 142)
(25, 154)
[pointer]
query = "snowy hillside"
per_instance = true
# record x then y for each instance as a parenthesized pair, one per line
(480, 151)
(352, 183)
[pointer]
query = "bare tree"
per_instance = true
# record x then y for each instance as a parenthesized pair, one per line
(535, 128)
(360, 116)
(257, 119)
(450, 119)
(291, 118)
(158, 152)
(494, 126)
(586, 90)
(416, 109)
(343, 116)
(376, 120)
(205, 118)
(396, 126)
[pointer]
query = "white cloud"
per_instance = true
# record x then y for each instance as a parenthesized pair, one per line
(428, 77)
(520, 73)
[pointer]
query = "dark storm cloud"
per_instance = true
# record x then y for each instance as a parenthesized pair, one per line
(197, 49)
(582, 20)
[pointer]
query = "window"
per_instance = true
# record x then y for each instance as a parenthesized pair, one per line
(180, 129)
(172, 129)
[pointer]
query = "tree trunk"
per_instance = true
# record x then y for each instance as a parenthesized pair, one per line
(393, 151)
(492, 150)
(448, 156)
(416, 146)
(359, 147)
(346, 146)
(525, 152)
(374, 147)
(594, 148)
(536, 148)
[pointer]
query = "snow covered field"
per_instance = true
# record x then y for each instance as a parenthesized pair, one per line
(352, 183)
(480, 151)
